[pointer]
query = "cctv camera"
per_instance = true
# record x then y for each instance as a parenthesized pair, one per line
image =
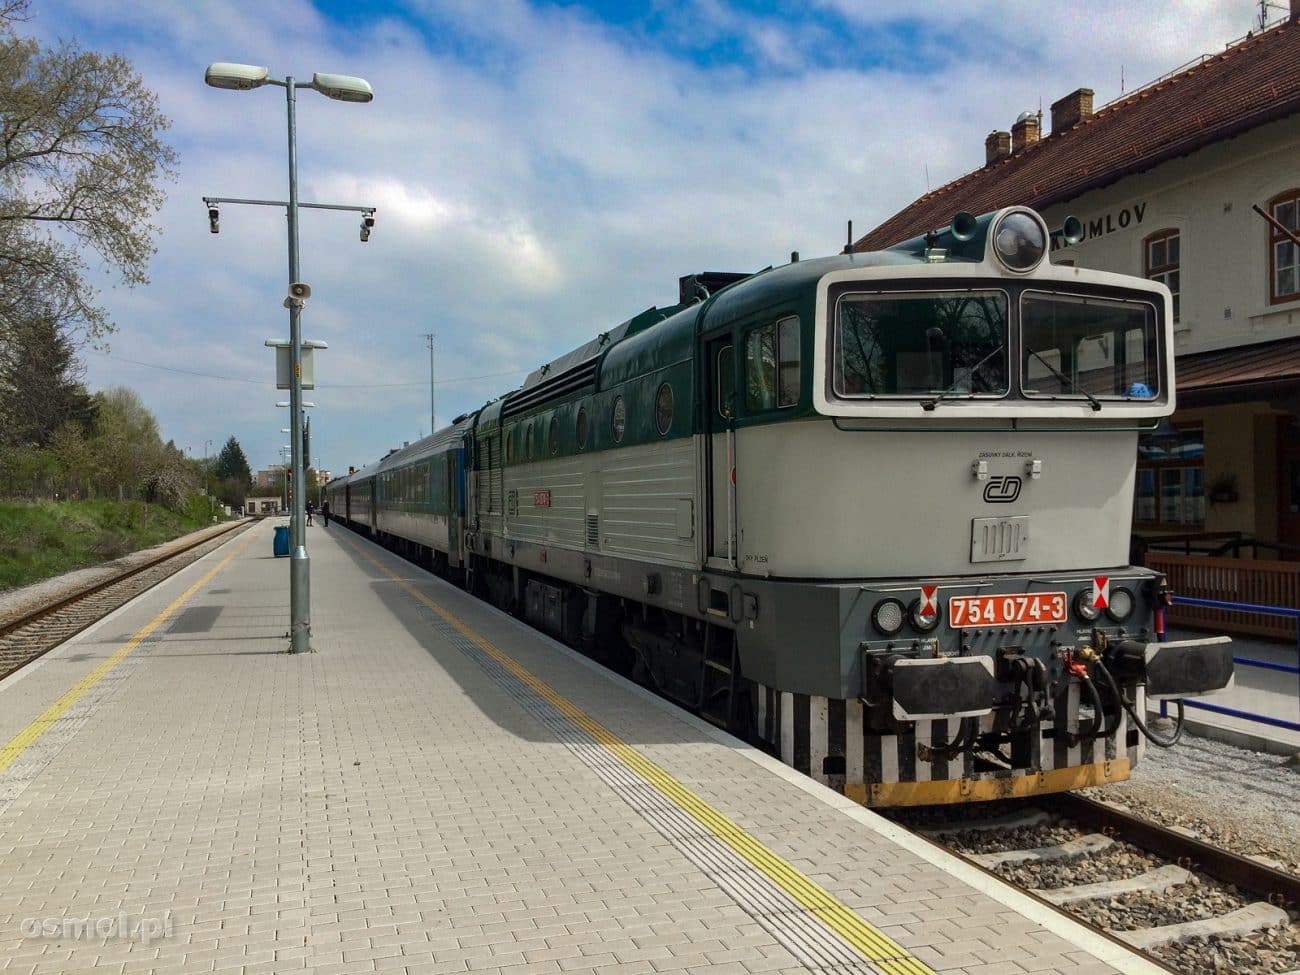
(300, 291)
(367, 222)
(213, 222)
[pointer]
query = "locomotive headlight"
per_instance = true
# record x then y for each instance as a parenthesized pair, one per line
(887, 617)
(1120, 606)
(1084, 608)
(926, 620)
(1019, 241)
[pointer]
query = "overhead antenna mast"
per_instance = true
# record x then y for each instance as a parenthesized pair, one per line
(848, 242)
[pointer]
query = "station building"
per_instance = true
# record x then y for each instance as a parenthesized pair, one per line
(1166, 180)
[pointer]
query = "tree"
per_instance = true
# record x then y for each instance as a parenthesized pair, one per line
(232, 470)
(40, 385)
(127, 444)
(80, 166)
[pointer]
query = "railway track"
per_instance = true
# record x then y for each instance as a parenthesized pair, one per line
(34, 633)
(1186, 904)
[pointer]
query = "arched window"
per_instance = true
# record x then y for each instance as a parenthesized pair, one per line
(1283, 254)
(1161, 261)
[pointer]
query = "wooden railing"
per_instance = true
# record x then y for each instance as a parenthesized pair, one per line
(1256, 581)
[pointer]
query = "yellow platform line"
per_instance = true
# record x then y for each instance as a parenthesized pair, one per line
(875, 946)
(29, 735)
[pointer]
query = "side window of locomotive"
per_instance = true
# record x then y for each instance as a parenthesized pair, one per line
(580, 428)
(772, 357)
(726, 385)
(760, 369)
(788, 354)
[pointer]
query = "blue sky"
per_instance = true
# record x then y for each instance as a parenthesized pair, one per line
(543, 171)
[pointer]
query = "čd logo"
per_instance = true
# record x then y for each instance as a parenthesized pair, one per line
(1002, 489)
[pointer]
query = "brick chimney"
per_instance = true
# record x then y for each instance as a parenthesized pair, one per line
(1075, 107)
(998, 144)
(1024, 132)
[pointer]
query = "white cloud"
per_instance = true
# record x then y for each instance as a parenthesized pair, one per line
(540, 176)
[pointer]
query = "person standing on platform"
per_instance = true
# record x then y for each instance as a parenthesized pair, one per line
(325, 511)
(311, 508)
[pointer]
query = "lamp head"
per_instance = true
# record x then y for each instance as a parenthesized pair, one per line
(342, 87)
(235, 77)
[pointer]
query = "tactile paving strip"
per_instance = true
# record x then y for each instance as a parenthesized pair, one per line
(819, 930)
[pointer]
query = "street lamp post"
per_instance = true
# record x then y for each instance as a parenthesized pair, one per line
(242, 77)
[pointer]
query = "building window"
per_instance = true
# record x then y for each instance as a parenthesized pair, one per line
(1171, 479)
(1283, 254)
(1162, 262)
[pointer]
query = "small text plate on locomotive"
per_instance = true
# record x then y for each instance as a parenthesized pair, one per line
(999, 539)
(1032, 607)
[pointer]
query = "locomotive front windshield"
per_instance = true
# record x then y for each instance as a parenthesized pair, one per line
(1095, 348)
(949, 343)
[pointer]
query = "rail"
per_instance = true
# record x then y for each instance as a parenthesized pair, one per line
(1291, 614)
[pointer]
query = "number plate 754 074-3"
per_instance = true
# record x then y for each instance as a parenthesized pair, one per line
(1028, 607)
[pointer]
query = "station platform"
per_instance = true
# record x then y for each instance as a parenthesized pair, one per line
(437, 788)
(1254, 691)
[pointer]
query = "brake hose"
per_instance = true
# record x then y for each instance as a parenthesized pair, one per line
(1132, 713)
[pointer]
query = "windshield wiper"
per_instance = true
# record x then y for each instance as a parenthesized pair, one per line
(1096, 403)
(929, 404)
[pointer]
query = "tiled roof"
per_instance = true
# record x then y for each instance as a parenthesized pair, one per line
(1250, 83)
(1243, 367)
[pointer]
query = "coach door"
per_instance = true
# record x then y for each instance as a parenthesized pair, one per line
(720, 451)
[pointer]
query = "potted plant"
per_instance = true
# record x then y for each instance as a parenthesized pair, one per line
(1223, 489)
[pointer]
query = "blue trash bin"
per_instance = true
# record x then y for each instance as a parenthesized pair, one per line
(281, 540)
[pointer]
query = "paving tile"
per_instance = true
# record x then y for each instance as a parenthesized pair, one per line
(386, 804)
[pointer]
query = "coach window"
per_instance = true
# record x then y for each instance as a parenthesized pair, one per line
(1161, 262)
(1283, 254)
(580, 428)
(619, 419)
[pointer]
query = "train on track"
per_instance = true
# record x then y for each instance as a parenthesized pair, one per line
(872, 510)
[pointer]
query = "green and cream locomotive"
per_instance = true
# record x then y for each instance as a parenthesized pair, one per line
(872, 509)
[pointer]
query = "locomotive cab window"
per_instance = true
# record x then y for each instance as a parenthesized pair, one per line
(1075, 346)
(950, 344)
(772, 358)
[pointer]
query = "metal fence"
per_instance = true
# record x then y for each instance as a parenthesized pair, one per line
(1231, 595)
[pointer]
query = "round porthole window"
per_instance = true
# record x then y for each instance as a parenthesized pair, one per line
(580, 428)
(553, 436)
(620, 419)
(664, 409)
